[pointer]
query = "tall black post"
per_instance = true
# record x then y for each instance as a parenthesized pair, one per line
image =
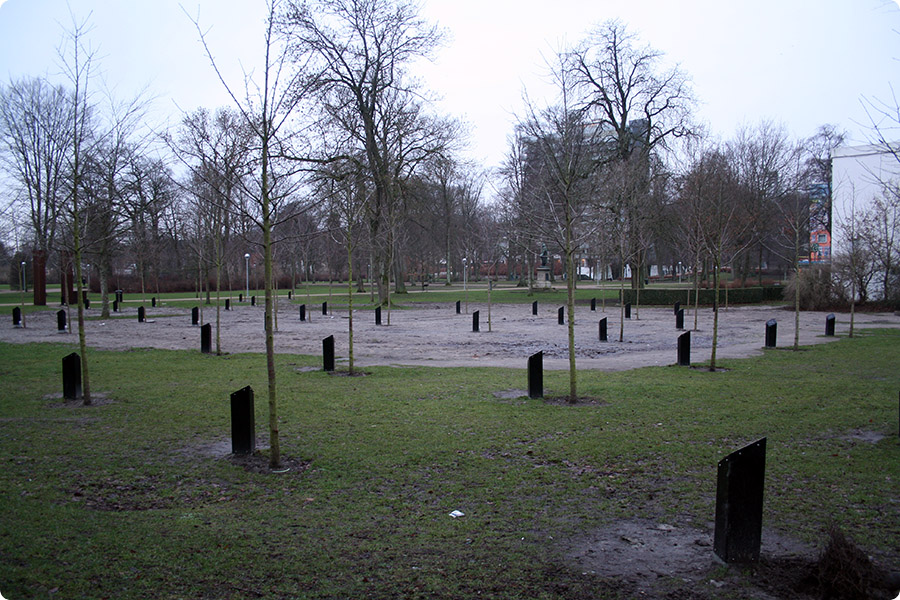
(679, 319)
(684, 349)
(458, 307)
(17, 317)
(153, 302)
(325, 308)
(302, 312)
(243, 422)
(290, 295)
(378, 315)
(771, 332)
(141, 314)
(677, 307)
(628, 310)
(475, 321)
(328, 353)
(593, 304)
(829, 325)
(115, 306)
(61, 321)
(561, 315)
(536, 375)
(603, 336)
(534, 308)
(739, 504)
(119, 296)
(86, 301)
(206, 339)
(71, 368)
(240, 297)
(195, 316)
(252, 300)
(227, 303)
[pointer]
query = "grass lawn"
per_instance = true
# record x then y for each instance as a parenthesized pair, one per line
(136, 497)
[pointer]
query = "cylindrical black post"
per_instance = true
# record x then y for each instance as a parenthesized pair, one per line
(561, 315)
(86, 301)
(195, 316)
(677, 307)
(534, 308)
(227, 303)
(679, 319)
(628, 310)
(206, 339)
(593, 304)
(536, 375)
(458, 307)
(119, 296)
(603, 336)
(153, 302)
(684, 349)
(141, 314)
(829, 325)
(739, 503)
(240, 297)
(252, 300)
(378, 315)
(17, 317)
(290, 295)
(771, 332)
(302, 312)
(115, 306)
(475, 321)
(71, 367)
(325, 308)
(328, 353)
(61, 321)
(243, 426)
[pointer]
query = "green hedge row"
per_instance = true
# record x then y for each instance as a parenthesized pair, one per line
(748, 295)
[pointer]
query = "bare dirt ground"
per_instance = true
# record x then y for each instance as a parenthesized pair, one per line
(434, 335)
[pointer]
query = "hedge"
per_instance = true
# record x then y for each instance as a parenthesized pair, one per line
(747, 295)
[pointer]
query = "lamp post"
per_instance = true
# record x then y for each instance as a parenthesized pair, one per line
(22, 272)
(247, 271)
(466, 283)
(679, 271)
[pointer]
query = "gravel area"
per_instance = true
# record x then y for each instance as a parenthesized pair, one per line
(434, 335)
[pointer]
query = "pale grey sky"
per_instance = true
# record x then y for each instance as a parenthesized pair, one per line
(803, 63)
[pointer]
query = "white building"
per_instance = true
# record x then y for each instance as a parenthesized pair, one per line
(858, 177)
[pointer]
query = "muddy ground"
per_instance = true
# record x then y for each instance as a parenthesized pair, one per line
(434, 335)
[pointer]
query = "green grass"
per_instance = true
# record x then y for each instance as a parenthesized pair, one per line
(125, 500)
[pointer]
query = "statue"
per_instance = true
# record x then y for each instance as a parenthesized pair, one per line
(544, 255)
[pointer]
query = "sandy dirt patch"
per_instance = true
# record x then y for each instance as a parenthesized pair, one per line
(434, 335)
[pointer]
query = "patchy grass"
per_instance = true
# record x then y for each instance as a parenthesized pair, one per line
(137, 497)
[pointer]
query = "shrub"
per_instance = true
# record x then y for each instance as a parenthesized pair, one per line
(814, 286)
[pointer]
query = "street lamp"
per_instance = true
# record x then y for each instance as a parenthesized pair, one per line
(466, 283)
(22, 271)
(679, 271)
(247, 271)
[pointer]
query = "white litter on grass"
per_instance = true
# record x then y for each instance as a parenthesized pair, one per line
(457, 513)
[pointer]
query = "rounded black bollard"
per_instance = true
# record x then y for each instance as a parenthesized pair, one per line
(458, 307)
(243, 426)
(61, 321)
(475, 321)
(141, 314)
(829, 325)
(302, 312)
(378, 315)
(115, 306)
(603, 335)
(153, 302)
(290, 295)
(771, 333)
(740, 480)
(593, 304)
(677, 307)
(561, 315)
(195, 316)
(206, 339)
(628, 311)
(679, 319)
(227, 303)
(328, 353)
(536, 375)
(240, 297)
(684, 349)
(534, 308)
(17, 317)
(325, 308)
(252, 300)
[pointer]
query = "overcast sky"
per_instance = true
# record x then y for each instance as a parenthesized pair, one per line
(803, 63)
